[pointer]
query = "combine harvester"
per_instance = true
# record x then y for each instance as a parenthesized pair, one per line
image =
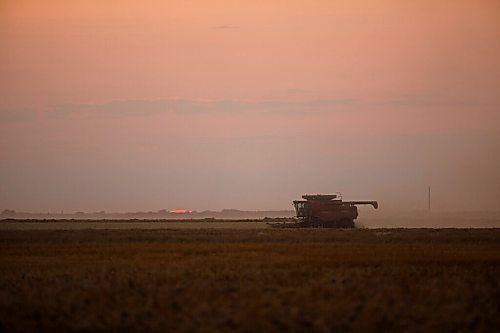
(325, 211)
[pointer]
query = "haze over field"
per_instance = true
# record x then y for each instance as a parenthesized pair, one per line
(128, 106)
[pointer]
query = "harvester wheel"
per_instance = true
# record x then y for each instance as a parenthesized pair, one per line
(346, 223)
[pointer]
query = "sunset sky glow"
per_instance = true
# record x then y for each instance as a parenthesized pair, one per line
(128, 105)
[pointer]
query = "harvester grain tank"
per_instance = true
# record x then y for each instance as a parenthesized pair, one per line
(328, 211)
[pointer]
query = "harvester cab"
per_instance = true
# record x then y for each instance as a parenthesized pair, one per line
(327, 210)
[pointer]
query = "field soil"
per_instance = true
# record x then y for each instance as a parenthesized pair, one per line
(262, 280)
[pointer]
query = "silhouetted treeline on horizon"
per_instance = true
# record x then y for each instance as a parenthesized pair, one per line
(161, 214)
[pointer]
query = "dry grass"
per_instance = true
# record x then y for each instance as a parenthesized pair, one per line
(250, 280)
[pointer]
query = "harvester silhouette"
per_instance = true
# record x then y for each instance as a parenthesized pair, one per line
(326, 211)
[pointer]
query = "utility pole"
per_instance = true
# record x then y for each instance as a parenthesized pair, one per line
(429, 199)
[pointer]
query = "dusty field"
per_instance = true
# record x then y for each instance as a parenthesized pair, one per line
(129, 224)
(250, 280)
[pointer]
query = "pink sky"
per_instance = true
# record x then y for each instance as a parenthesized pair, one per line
(126, 105)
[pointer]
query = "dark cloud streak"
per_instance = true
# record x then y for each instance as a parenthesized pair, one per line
(225, 27)
(186, 106)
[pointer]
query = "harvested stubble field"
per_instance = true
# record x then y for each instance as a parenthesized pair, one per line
(250, 280)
